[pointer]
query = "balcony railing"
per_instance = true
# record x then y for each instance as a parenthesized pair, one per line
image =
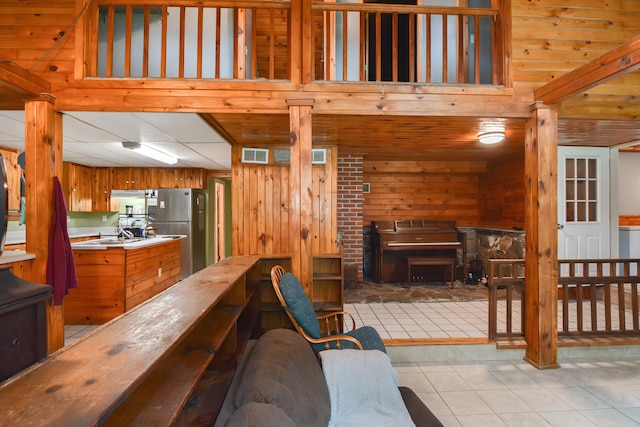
(251, 40)
(596, 297)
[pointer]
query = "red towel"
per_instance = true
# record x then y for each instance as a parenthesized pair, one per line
(61, 267)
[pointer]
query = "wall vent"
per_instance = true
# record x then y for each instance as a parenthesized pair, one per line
(366, 187)
(255, 155)
(281, 155)
(318, 156)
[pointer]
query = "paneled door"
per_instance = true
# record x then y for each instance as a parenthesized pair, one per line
(583, 203)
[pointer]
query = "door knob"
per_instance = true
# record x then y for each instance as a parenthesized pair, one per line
(560, 226)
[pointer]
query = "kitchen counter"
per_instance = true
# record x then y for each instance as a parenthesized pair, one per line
(112, 242)
(114, 277)
(10, 257)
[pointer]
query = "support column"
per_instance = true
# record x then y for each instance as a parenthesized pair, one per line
(43, 161)
(541, 222)
(301, 191)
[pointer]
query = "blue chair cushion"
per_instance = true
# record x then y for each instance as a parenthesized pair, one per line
(298, 305)
(367, 335)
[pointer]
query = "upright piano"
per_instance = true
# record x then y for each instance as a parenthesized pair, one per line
(395, 242)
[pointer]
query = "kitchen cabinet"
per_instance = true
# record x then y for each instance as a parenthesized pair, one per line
(102, 201)
(78, 187)
(129, 179)
(14, 172)
(114, 280)
(177, 178)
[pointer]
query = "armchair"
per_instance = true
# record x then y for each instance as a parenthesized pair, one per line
(298, 307)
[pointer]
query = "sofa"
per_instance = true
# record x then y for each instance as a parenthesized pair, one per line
(280, 382)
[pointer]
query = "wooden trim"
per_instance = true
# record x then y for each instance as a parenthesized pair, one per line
(23, 81)
(620, 61)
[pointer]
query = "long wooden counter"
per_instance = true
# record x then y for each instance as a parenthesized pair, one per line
(141, 368)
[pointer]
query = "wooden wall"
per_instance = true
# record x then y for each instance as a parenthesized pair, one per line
(431, 190)
(260, 206)
(553, 37)
(501, 194)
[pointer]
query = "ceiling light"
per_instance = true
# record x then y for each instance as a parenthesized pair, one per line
(491, 137)
(150, 152)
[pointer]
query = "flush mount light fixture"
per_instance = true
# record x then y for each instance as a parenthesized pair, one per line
(491, 137)
(150, 152)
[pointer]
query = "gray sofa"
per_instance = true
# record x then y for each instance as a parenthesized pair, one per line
(280, 383)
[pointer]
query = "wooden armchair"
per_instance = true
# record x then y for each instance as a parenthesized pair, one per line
(296, 304)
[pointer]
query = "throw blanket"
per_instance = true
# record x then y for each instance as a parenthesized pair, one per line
(363, 389)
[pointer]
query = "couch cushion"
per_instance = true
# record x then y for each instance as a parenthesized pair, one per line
(283, 370)
(255, 414)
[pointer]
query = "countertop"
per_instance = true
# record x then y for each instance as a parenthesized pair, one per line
(9, 257)
(111, 242)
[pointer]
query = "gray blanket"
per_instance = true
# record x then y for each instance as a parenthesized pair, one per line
(363, 389)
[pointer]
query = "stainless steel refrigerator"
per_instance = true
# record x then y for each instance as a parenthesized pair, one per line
(183, 211)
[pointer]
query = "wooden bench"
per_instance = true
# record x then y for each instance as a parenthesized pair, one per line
(447, 262)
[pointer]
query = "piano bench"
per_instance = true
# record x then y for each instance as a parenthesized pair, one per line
(447, 262)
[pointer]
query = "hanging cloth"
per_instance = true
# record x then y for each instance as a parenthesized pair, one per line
(61, 267)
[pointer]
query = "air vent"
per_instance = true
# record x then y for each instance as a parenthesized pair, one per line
(318, 156)
(255, 155)
(281, 155)
(366, 187)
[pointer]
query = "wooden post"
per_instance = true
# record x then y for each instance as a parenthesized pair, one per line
(541, 222)
(301, 191)
(43, 161)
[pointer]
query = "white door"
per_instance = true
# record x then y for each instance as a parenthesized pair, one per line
(583, 203)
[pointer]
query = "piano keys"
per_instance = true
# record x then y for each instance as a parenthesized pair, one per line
(393, 242)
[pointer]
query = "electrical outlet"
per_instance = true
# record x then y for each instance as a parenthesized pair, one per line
(104, 218)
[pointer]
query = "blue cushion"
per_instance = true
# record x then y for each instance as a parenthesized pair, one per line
(298, 305)
(367, 335)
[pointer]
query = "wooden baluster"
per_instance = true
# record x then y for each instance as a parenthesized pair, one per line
(200, 42)
(218, 22)
(145, 42)
(110, 36)
(163, 53)
(127, 41)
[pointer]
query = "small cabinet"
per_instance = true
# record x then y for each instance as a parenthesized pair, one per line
(78, 187)
(23, 327)
(102, 201)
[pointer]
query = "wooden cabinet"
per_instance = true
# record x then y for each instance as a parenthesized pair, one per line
(78, 187)
(327, 293)
(112, 281)
(129, 179)
(102, 201)
(177, 178)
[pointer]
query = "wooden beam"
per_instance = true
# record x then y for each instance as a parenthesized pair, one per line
(301, 192)
(622, 60)
(541, 221)
(22, 81)
(43, 161)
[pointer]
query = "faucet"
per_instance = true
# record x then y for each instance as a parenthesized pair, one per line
(126, 234)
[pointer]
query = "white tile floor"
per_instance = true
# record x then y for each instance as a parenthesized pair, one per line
(450, 319)
(583, 392)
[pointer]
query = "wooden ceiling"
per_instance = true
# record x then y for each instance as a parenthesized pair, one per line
(412, 137)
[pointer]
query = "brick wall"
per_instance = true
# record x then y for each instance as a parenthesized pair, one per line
(350, 205)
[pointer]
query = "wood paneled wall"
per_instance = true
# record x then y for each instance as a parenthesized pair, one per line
(553, 37)
(260, 209)
(501, 194)
(422, 189)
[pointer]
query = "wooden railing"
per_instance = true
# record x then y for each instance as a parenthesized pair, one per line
(596, 297)
(416, 44)
(506, 299)
(250, 40)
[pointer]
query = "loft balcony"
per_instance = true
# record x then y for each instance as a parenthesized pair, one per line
(298, 42)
